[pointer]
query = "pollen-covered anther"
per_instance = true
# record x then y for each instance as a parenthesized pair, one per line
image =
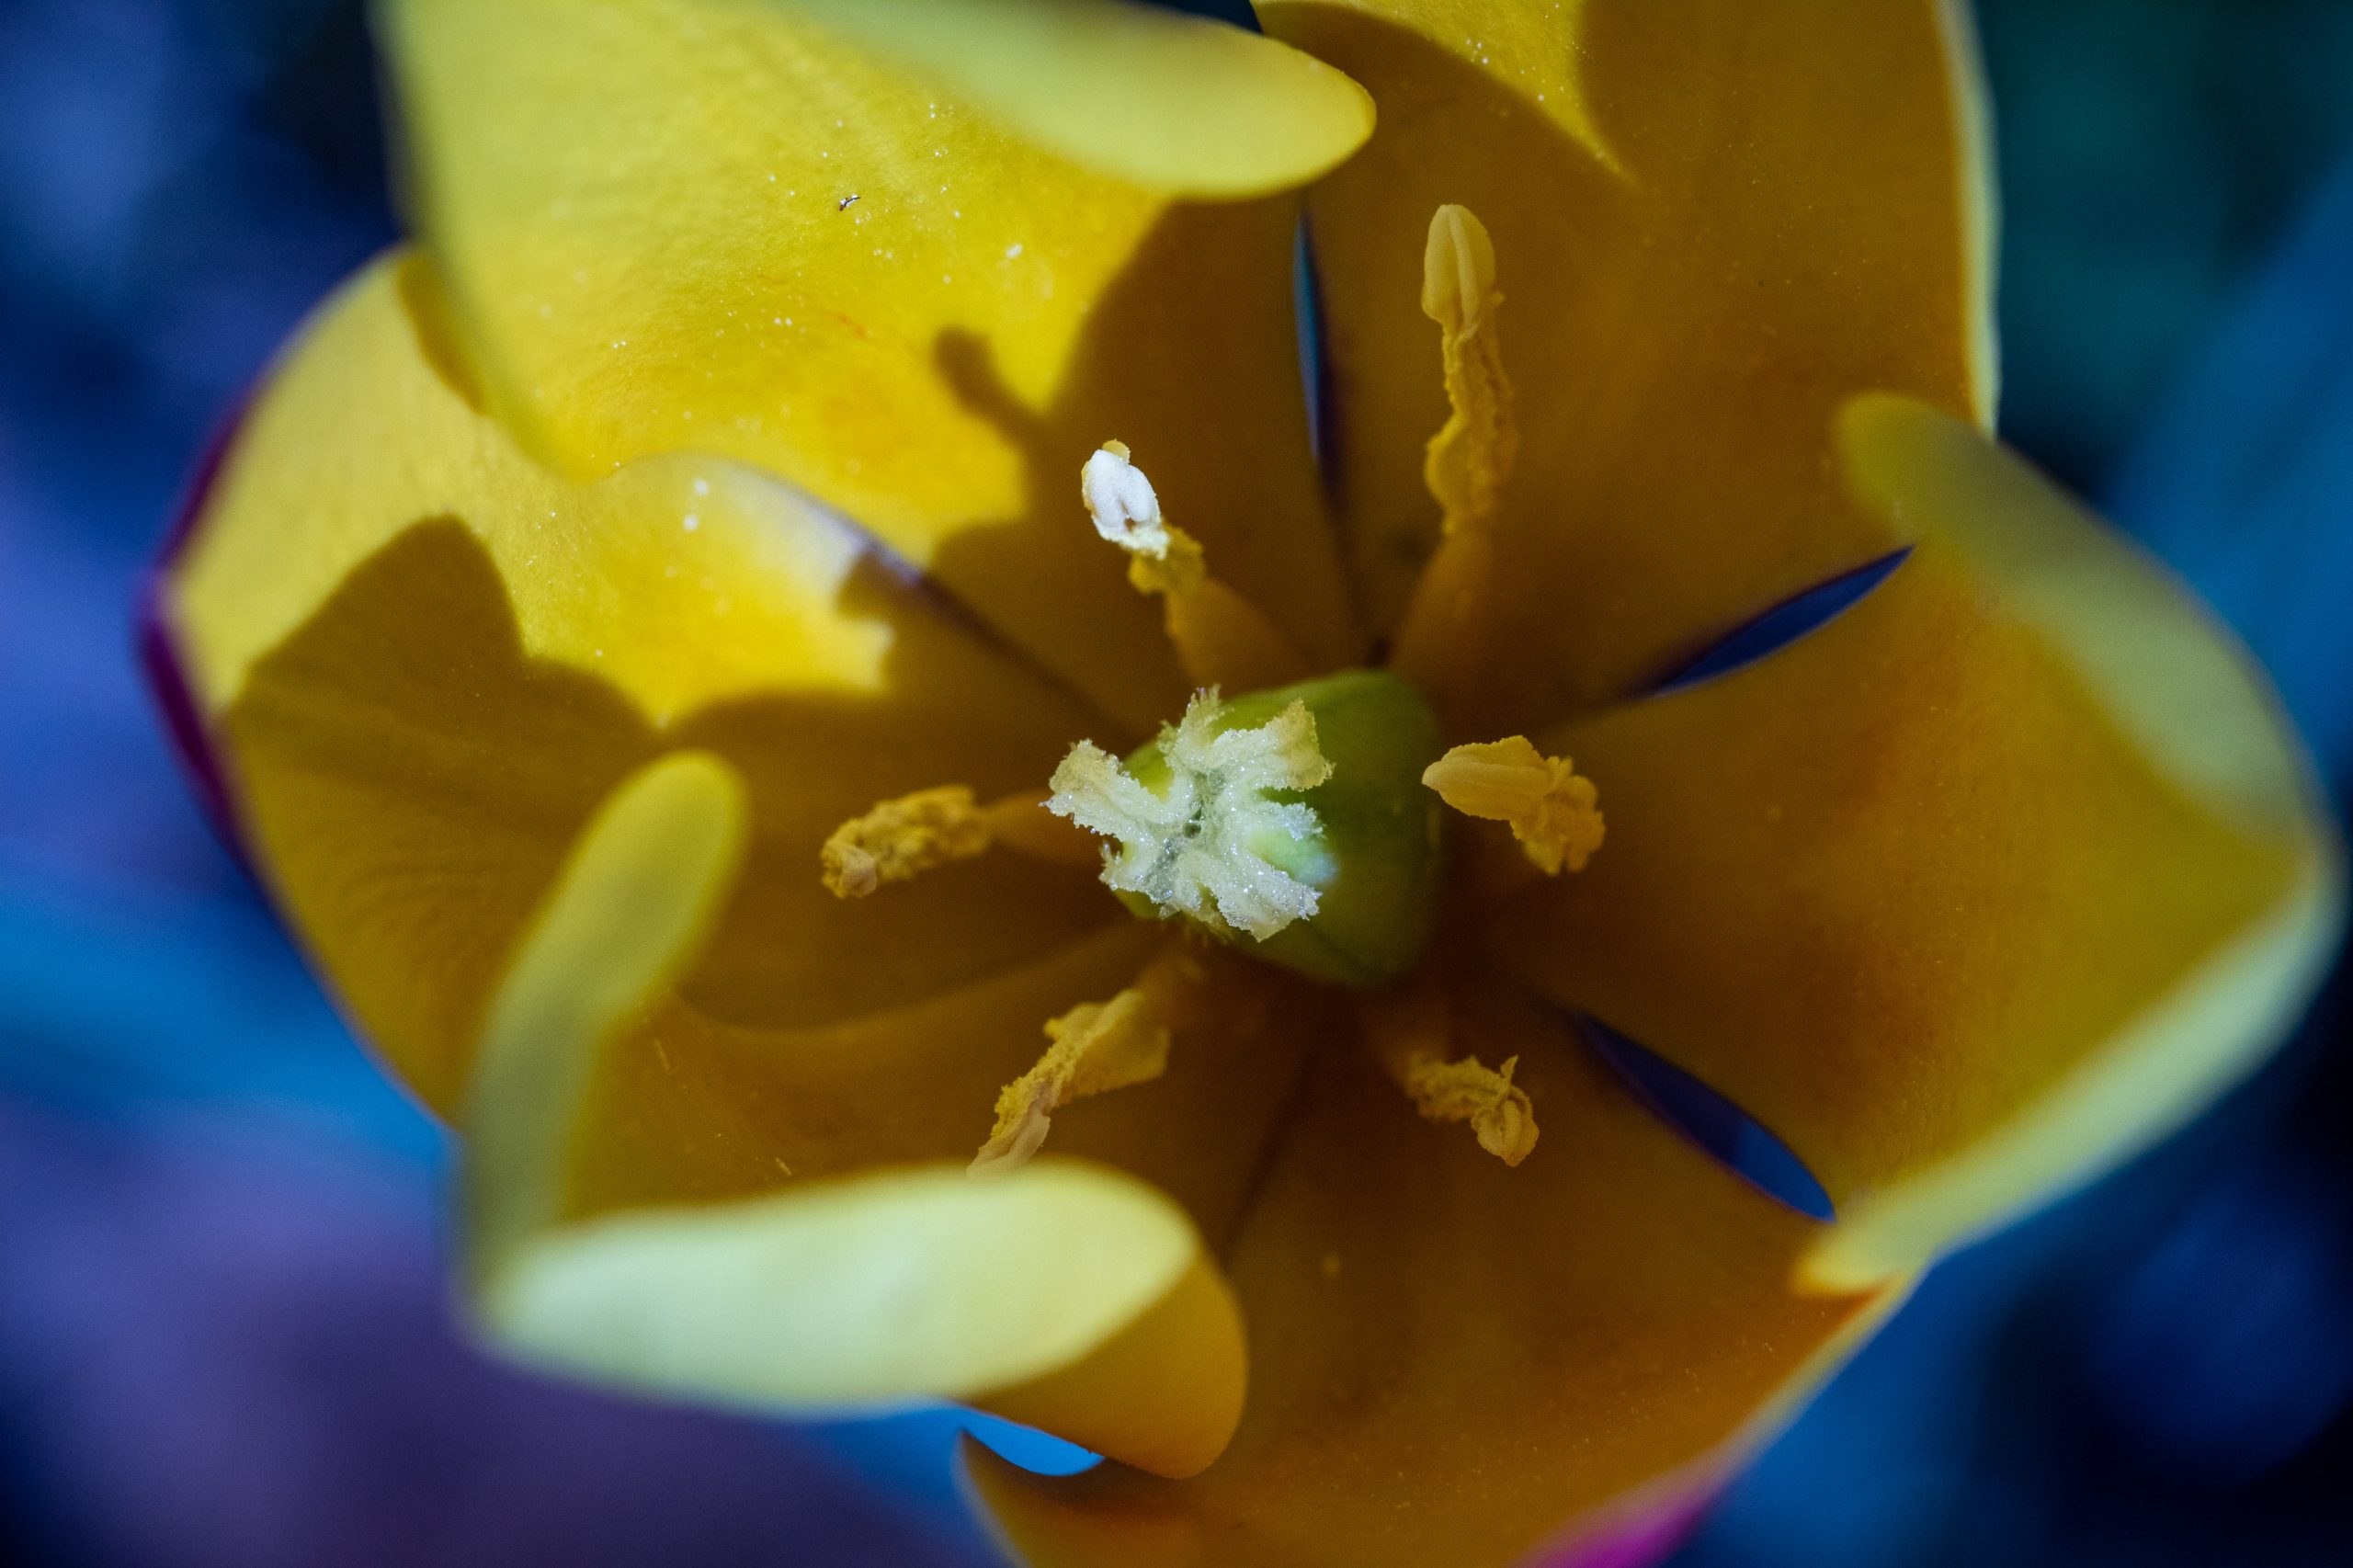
(1472, 455)
(1468, 463)
(1093, 1049)
(1126, 509)
(1412, 1037)
(1219, 637)
(1554, 810)
(1192, 848)
(899, 840)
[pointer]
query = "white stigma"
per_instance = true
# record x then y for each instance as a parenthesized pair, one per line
(1121, 501)
(1191, 849)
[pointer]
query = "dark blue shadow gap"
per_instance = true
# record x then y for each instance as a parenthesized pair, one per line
(1314, 360)
(1738, 1141)
(1784, 624)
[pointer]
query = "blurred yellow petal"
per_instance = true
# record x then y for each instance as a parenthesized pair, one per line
(1159, 99)
(1456, 1362)
(687, 1110)
(1712, 222)
(634, 900)
(427, 661)
(1970, 893)
(916, 1283)
(817, 239)
(689, 1115)
(921, 1284)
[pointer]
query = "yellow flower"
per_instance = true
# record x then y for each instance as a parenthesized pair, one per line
(684, 535)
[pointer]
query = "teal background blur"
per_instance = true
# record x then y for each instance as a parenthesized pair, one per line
(222, 1328)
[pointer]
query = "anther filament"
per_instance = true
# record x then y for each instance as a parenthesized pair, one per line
(1219, 637)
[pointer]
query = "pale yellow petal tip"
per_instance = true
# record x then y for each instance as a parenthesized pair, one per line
(1554, 810)
(1193, 848)
(901, 839)
(1188, 105)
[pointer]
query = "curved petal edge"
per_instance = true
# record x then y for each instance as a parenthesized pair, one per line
(2174, 683)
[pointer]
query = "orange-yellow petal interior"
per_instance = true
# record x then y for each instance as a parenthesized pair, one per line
(632, 1215)
(1971, 892)
(1712, 222)
(1454, 1361)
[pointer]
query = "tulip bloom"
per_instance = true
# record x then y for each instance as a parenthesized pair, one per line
(653, 648)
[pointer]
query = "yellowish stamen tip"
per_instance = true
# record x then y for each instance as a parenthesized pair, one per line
(1193, 848)
(1553, 811)
(1093, 1049)
(1412, 1039)
(1472, 456)
(1440, 643)
(901, 839)
(1498, 1112)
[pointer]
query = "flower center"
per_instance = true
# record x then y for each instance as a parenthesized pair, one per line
(1210, 841)
(1305, 823)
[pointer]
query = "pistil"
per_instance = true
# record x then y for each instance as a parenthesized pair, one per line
(1198, 845)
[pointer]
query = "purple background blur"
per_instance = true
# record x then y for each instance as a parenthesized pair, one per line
(221, 1307)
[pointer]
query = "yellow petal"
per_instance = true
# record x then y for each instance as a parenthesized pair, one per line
(1978, 889)
(634, 901)
(1457, 1362)
(1122, 88)
(1712, 222)
(427, 660)
(689, 1115)
(916, 1283)
(920, 1284)
(682, 581)
(811, 238)
(701, 1149)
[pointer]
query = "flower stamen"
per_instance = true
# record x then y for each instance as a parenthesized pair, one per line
(1093, 1049)
(1220, 638)
(1469, 460)
(1412, 1038)
(1197, 845)
(1554, 810)
(901, 839)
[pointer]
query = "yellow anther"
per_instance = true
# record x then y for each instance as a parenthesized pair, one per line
(899, 840)
(1220, 638)
(1470, 460)
(1553, 811)
(1093, 1049)
(1411, 1037)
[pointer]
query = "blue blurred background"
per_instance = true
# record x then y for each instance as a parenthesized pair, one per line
(222, 1336)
